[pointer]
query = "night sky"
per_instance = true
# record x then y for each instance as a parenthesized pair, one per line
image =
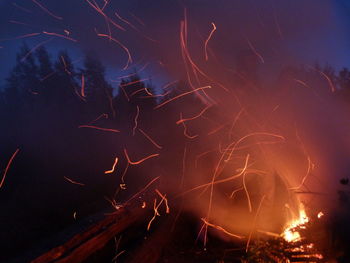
(284, 32)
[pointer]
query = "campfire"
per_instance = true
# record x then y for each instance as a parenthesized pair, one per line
(230, 152)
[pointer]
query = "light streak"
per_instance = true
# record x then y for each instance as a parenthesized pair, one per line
(181, 95)
(113, 167)
(143, 189)
(8, 167)
(35, 48)
(139, 161)
(255, 51)
(247, 193)
(59, 35)
(150, 139)
(136, 119)
(207, 40)
(194, 117)
(254, 222)
(129, 60)
(156, 213)
(73, 182)
(235, 144)
(309, 168)
(21, 8)
(103, 115)
(98, 128)
(221, 229)
(82, 91)
(167, 209)
(100, 11)
(46, 10)
(185, 130)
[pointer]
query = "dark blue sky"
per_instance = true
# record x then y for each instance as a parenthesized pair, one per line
(287, 31)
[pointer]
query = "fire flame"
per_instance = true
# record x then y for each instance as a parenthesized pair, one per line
(289, 233)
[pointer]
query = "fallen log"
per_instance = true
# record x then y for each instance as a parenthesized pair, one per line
(82, 245)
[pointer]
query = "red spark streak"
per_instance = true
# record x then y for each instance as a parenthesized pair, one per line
(103, 115)
(206, 41)
(185, 130)
(255, 52)
(35, 48)
(165, 200)
(7, 167)
(46, 10)
(143, 189)
(83, 86)
(21, 8)
(140, 161)
(181, 95)
(122, 46)
(113, 167)
(100, 11)
(221, 229)
(136, 119)
(133, 82)
(73, 182)
(195, 117)
(150, 139)
(59, 35)
(98, 128)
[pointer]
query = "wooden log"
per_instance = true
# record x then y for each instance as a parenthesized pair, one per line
(81, 246)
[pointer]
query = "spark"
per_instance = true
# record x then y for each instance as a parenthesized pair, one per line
(320, 214)
(221, 229)
(136, 119)
(235, 144)
(35, 48)
(143, 189)
(113, 167)
(103, 115)
(156, 213)
(100, 11)
(181, 95)
(21, 36)
(65, 66)
(138, 19)
(134, 82)
(126, 21)
(98, 128)
(59, 35)
(309, 169)
(7, 167)
(255, 51)
(214, 182)
(185, 130)
(194, 117)
(73, 182)
(254, 222)
(207, 40)
(129, 60)
(247, 193)
(21, 8)
(216, 129)
(46, 10)
(167, 209)
(139, 161)
(82, 91)
(150, 139)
